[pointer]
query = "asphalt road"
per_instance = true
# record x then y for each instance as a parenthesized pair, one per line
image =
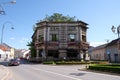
(27, 71)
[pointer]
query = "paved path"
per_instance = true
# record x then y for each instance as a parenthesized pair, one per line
(3, 72)
(57, 72)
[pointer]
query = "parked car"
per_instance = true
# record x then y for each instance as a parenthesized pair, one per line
(14, 62)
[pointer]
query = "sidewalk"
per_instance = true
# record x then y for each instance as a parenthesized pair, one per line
(3, 72)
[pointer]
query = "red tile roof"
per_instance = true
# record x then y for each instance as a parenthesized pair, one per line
(4, 48)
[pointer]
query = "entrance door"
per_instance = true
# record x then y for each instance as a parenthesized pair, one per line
(116, 58)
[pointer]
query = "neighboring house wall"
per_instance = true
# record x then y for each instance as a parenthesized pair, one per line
(26, 54)
(90, 51)
(12, 53)
(99, 53)
(9, 51)
(114, 51)
(2, 54)
(21, 53)
(18, 53)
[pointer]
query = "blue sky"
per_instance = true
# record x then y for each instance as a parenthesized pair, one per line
(99, 14)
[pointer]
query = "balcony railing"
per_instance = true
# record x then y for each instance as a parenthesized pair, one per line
(51, 43)
(72, 43)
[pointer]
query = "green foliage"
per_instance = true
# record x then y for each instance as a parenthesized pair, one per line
(65, 62)
(70, 62)
(32, 49)
(99, 62)
(57, 17)
(33, 52)
(49, 62)
(107, 68)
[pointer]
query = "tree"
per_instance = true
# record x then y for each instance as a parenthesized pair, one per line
(32, 49)
(56, 17)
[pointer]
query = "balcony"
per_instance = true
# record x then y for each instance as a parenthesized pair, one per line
(37, 43)
(51, 43)
(85, 45)
(73, 43)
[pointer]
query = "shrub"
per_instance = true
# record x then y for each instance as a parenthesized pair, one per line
(65, 62)
(70, 62)
(49, 62)
(99, 62)
(108, 68)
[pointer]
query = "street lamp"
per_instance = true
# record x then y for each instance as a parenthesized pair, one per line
(2, 12)
(114, 30)
(3, 30)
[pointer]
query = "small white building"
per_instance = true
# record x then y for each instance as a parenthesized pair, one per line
(26, 54)
(22, 53)
(2, 54)
(7, 51)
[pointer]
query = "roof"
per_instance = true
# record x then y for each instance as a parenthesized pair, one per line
(100, 47)
(62, 22)
(113, 42)
(5, 47)
(45, 23)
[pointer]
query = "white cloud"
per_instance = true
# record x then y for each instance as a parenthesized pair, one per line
(12, 38)
(24, 40)
(96, 43)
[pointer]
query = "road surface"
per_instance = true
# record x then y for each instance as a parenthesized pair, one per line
(53, 72)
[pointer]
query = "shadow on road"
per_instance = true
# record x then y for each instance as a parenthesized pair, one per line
(77, 74)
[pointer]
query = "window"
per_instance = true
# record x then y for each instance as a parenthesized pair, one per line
(54, 37)
(41, 38)
(71, 28)
(54, 28)
(84, 38)
(72, 37)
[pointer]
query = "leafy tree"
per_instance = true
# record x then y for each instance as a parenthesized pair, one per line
(58, 18)
(32, 49)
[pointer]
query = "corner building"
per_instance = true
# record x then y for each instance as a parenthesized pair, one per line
(61, 40)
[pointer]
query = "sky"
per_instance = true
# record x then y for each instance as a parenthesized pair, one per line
(99, 14)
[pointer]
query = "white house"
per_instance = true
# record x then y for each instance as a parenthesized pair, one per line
(26, 54)
(22, 53)
(8, 51)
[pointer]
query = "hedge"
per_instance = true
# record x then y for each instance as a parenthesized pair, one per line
(49, 62)
(106, 68)
(66, 62)
(71, 62)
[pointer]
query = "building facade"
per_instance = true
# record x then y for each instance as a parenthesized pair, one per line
(61, 40)
(98, 53)
(8, 51)
(113, 51)
(22, 53)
